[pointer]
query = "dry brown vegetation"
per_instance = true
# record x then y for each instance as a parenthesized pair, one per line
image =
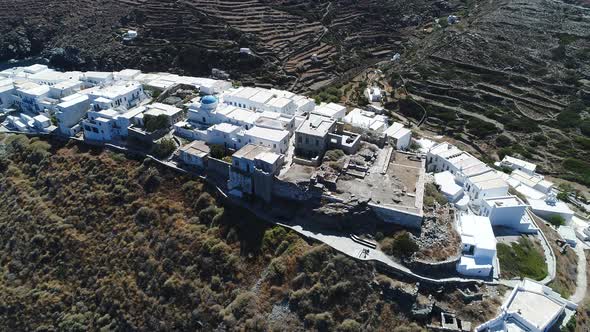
(583, 312)
(93, 241)
(566, 265)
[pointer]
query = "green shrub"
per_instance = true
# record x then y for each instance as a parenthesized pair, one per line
(521, 259)
(556, 220)
(503, 141)
(217, 151)
(164, 148)
(349, 325)
(146, 215)
(153, 123)
(580, 170)
(333, 155)
(431, 194)
(401, 246)
(481, 128)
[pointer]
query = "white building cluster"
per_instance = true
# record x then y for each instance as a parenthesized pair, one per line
(260, 127)
(101, 104)
(480, 193)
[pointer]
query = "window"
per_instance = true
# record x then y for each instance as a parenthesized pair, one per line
(274, 146)
(204, 120)
(299, 139)
(317, 142)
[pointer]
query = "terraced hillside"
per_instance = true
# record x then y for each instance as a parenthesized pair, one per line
(299, 44)
(512, 77)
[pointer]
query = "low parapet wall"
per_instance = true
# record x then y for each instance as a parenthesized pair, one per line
(430, 268)
(397, 216)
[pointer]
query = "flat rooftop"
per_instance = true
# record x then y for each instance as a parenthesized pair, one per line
(268, 134)
(536, 308)
(73, 101)
(316, 125)
(488, 180)
(477, 231)
(257, 152)
(519, 162)
(329, 110)
(506, 201)
(196, 148)
(242, 115)
(67, 84)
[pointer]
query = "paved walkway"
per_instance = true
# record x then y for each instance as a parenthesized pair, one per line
(548, 251)
(347, 246)
(581, 282)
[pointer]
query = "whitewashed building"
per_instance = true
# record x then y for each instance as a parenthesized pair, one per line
(485, 185)
(532, 186)
(530, 307)
(331, 110)
(510, 212)
(550, 206)
(259, 99)
(6, 94)
(195, 153)
(252, 171)
(478, 246)
(374, 94)
(366, 120)
(64, 89)
(125, 94)
(30, 96)
(110, 124)
(518, 164)
(399, 136)
(447, 185)
(276, 140)
(69, 113)
(93, 78)
(479, 181)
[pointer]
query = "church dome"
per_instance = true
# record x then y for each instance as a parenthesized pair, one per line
(208, 100)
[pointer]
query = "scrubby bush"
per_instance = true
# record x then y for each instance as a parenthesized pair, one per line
(556, 220)
(164, 148)
(402, 245)
(503, 141)
(349, 325)
(333, 155)
(146, 215)
(432, 194)
(217, 151)
(153, 123)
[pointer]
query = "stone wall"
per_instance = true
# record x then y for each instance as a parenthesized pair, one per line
(293, 191)
(263, 186)
(448, 267)
(392, 215)
(218, 166)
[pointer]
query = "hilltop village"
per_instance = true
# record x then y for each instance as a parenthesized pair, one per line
(263, 146)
